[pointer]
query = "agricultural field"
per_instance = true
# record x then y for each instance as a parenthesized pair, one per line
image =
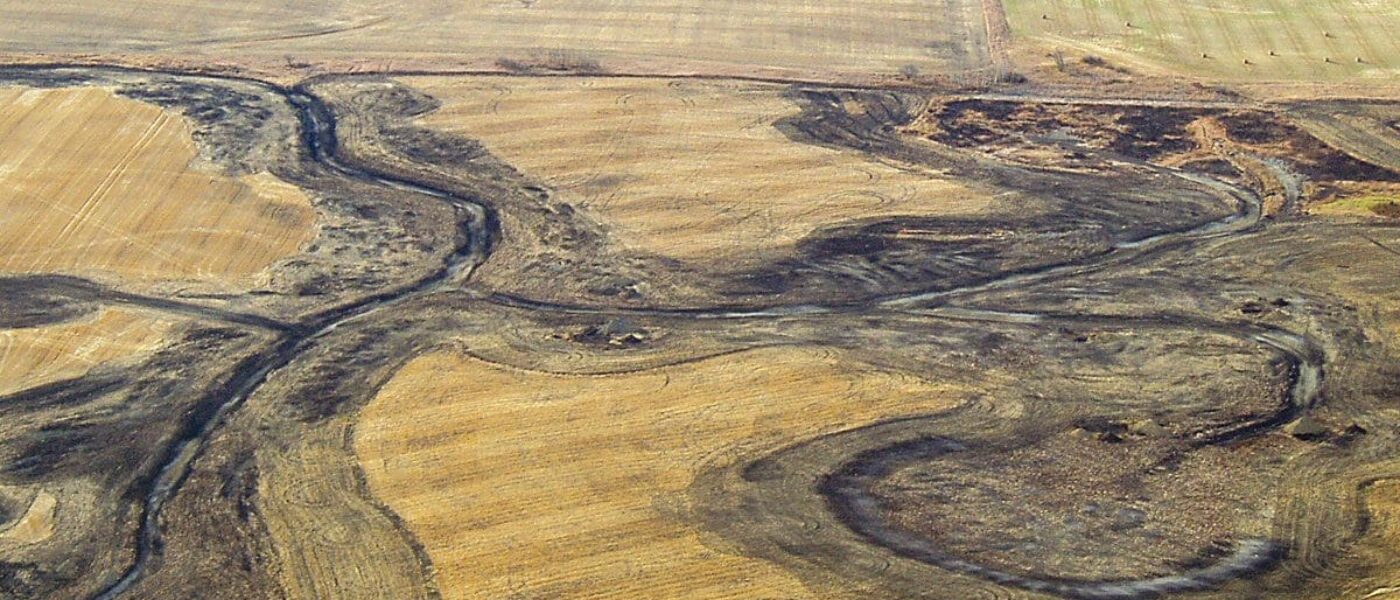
(34, 356)
(863, 39)
(690, 171)
(1245, 41)
(575, 475)
(526, 299)
(103, 186)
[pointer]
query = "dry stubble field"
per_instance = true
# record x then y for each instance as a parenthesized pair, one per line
(860, 38)
(1310, 40)
(35, 356)
(99, 186)
(697, 171)
(551, 485)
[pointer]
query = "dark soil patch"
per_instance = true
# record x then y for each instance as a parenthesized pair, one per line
(38, 301)
(1312, 157)
(1252, 127)
(1144, 133)
(1214, 167)
(1149, 133)
(1389, 210)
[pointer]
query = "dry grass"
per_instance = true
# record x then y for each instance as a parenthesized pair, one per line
(545, 485)
(32, 357)
(1304, 35)
(1376, 556)
(1363, 131)
(157, 24)
(37, 523)
(1364, 205)
(98, 185)
(328, 540)
(1360, 266)
(856, 37)
(1383, 508)
(690, 170)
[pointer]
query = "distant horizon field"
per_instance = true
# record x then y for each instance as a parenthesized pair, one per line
(855, 39)
(1230, 40)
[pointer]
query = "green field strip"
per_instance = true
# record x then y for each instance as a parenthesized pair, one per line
(1273, 38)
(1236, 36)
(1190, 53)
(1228, 33)
(1301, 49)
(1154, 23)
(1369, 52)
(1324, 31)
(1091, 16)
(1388, 33)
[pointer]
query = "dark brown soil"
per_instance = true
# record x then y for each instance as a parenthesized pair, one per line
(1389, 210)
(1142, 133)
